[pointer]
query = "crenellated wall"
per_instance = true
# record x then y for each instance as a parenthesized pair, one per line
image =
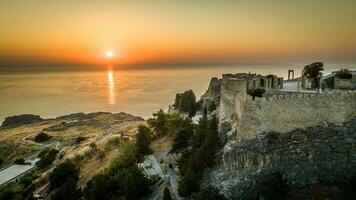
(284, 113)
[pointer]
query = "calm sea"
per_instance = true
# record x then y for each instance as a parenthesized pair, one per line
(138, 92)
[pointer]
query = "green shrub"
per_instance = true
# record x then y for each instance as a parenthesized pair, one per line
(167, 194)
(210, 193)
(143, 141)
(42, 137)
(256, 92)
(158, 123)
(79, 139)
(47, 157)
(67, 191)
(19, 161)
(63, 172)
(273, 187)
(181, 139)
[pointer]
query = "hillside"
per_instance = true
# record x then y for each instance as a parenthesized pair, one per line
(88, 138)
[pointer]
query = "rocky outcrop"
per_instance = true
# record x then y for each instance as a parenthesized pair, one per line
(212, 94)
(324, 156)
(18, 120)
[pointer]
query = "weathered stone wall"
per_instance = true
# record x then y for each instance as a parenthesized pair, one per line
(230, 90)
(284, 113)
(314, 156)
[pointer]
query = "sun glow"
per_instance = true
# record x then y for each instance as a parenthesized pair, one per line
(109, 54)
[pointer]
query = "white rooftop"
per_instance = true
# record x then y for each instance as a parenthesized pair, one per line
(12, 172)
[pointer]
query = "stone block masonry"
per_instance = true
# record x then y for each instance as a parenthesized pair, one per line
(285, 113)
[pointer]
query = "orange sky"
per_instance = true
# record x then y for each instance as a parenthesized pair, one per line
(140, 32)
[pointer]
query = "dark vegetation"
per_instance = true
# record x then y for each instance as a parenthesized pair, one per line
(143, 141)
(199, 156)
(166, 194)
(258, 92)
(343, 74)
(272, 187)
(163, 124)
(122, 180)
(47, 156)
(186, 102)
(63, 181)
(20, 120)
(21, 190)
(80, 139)
(19, 161)
(210, 193)
(42, 137)
(311, 72)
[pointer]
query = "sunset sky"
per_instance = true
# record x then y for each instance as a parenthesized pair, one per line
(175, 32)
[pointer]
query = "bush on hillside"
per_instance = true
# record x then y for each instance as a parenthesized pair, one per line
(256, 92)
(47, 157)
(19, 161)
(167, 194)
(63, 172)
(143, 141)
(210, 193)
(159, 123)
(42, 137)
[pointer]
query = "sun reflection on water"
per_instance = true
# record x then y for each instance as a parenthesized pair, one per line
(111, 87)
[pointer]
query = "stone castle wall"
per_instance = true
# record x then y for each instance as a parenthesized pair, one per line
(285, 113)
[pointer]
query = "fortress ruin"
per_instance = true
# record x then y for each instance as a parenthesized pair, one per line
(279, 110)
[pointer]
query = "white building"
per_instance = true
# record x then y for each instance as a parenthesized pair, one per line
(14, 173)
(151, 167)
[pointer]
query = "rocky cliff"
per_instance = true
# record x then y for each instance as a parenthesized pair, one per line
(19, 120)
(317, 157)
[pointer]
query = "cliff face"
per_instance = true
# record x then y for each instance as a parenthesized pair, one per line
(19, 120)
(323, 156)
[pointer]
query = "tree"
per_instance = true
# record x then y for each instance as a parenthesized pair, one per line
(47, 157)
(143, 141)
(67, 191)
(63, 172)
(167, 194)
(1, 161)
(158, 123)
(198, 136)
(102, 186)
(181, 139)
(42, 137)
(19, 161)
(135, 183)
(177, 121)
(210, 193)
(258, 92)
(312, 72)
(211, 142)
(188, 183)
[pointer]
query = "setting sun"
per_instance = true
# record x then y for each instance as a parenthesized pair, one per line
(109, 54)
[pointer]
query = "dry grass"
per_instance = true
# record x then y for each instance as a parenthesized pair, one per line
(105, 130)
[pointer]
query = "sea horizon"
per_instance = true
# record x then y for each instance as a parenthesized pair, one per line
(135, 91)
